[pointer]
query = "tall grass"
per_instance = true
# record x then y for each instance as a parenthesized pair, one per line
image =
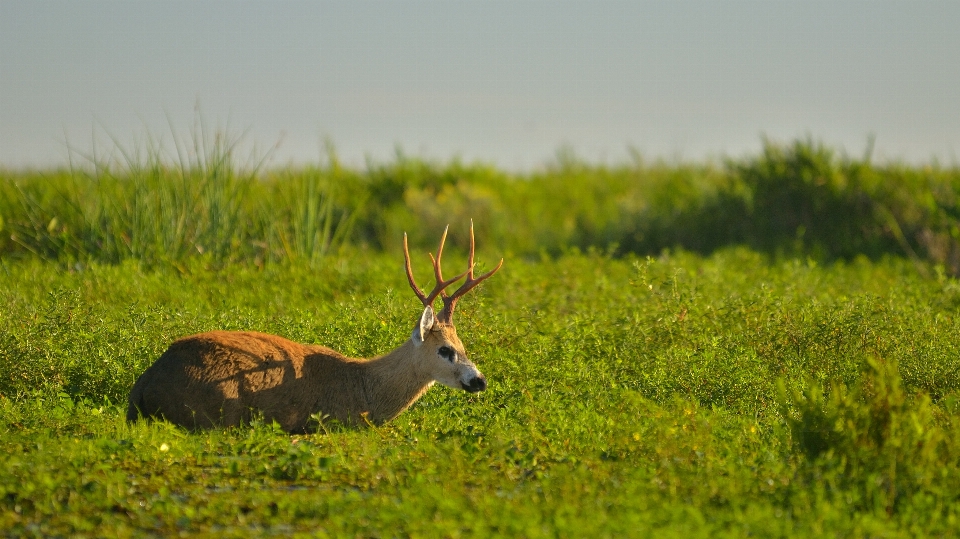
(800, 198)
(308, 222)
(139, 204)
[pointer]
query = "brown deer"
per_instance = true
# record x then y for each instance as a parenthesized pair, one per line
(222, 378)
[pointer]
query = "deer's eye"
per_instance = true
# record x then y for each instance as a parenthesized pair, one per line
(447, 353)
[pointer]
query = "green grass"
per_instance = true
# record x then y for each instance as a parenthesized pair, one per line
(797, 199)
(787, 363)
(682, 395)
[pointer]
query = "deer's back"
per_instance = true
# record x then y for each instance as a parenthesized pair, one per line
(218, 378)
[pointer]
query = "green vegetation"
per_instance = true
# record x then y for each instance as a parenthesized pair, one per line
(800, 199)
(803, 383)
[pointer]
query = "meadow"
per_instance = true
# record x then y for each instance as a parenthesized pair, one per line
(765, 347)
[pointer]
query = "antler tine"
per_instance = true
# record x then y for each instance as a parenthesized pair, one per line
(450, 302)
(413, 284)
(438, 273)
(427, 299)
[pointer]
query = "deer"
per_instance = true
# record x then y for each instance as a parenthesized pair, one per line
(225, 378)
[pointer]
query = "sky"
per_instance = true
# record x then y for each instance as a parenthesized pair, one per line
(504, 82)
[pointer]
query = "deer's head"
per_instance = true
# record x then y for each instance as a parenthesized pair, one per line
(435, 337)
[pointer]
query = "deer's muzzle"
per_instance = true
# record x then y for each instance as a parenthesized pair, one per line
(476, 385)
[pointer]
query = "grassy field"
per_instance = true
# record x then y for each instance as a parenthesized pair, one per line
(803, 383)
(682, 395)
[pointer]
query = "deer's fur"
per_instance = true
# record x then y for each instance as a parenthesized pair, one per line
(222, 378)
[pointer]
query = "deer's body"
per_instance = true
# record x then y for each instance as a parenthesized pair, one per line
(222, 378)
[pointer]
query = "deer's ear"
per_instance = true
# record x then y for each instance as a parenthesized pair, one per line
(427, 321)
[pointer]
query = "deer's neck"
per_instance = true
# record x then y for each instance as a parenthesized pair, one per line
(393, 382)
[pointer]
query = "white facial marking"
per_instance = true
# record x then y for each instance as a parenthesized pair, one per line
(447, 353)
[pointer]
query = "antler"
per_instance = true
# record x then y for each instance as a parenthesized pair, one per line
(441, 284)
(449, 302)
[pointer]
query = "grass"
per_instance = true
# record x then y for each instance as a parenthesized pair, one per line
(682, 395)
(796, 199)
(766, 346)
(142, 207)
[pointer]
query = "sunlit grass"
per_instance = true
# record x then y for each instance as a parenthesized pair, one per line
(799, 199)
(766, 346)
(677, 396)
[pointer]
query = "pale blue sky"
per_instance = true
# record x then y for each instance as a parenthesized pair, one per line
(505, 82)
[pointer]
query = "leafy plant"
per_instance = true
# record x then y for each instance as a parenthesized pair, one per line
(870, 439)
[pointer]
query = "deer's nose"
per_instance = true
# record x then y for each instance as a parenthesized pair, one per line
(476, 385)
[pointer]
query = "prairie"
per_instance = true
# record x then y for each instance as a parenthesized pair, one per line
(769, 380)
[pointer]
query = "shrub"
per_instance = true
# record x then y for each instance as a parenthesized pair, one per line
(871, 440)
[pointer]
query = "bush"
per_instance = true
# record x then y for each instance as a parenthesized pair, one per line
(871, 440)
